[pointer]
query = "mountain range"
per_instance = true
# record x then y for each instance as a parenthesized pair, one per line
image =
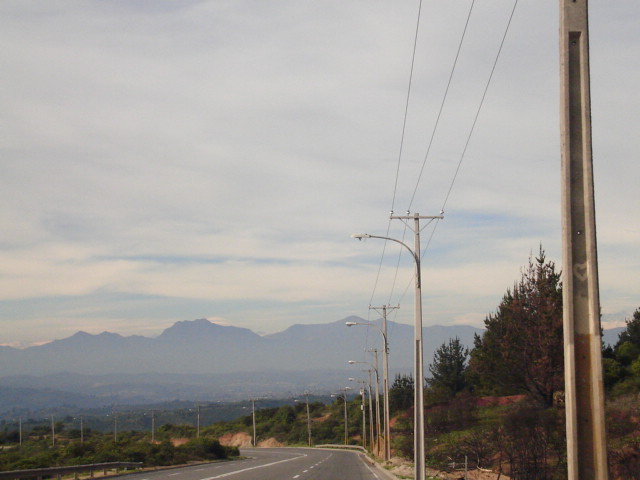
(200, 360)
(202, 347)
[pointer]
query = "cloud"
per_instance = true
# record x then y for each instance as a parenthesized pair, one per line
(210, 159)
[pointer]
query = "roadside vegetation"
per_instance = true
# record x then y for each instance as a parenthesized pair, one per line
(38, 451)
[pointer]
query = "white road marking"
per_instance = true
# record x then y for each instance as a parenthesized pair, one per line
(228, 474)
(372, 472)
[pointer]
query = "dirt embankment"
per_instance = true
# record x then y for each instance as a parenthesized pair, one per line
(240, 440)
(243, 440)
(401, 468)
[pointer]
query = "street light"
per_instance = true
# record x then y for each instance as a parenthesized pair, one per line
(81, 428)
(153, 426)
(385, 380)
(371, 433)
(306, 393)
(363, 383)
(197, 410)
(346, 421)
(418, 434)
(114, 413)
(375, 369)
(53, 433)
(253, 414)
(198, 422)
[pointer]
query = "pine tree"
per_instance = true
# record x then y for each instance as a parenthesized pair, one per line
(632, 333)
(448, 369)
(521, 350)
(401, 393)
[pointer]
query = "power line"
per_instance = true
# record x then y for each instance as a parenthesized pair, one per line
(468, 139)
(406, 106)
(431, 141)
(444, 99)
(433, 133)
(484, 94)
(402, 136)
(475, 120)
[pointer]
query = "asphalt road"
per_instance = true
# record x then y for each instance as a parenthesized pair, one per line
(275, 464)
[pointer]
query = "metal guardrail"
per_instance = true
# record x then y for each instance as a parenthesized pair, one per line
(58, 471)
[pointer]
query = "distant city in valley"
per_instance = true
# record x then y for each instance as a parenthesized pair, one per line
(201, 361)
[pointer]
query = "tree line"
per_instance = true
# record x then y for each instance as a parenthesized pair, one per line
(518, 364)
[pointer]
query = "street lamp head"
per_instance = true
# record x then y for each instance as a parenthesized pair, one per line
(351, 362)
(350, 324)
(360, 236)
(352, 379)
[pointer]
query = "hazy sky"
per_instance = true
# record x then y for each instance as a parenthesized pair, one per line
(163, 161)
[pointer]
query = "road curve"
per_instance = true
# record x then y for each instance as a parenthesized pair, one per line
(275, 464)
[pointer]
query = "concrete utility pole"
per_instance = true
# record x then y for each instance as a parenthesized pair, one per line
(372, 439)
(385, 379)
(418, 425)
(198, 422)
(375, 369)
(308, 418)
(419, 433)
(53, 433)
(253, 415)
(364, 418)
(584, 391)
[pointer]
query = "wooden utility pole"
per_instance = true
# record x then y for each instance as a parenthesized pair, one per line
(584, 392)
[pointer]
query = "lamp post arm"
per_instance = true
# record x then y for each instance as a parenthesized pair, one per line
(360, 236)
(414, 254)
(384, 335)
